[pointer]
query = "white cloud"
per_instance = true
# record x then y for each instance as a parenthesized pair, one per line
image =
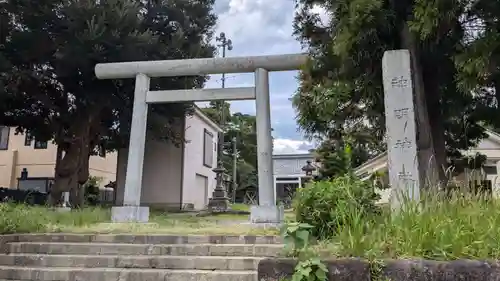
(262, 27)
(288, 146)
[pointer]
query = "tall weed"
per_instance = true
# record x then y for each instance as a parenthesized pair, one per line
(456, 228)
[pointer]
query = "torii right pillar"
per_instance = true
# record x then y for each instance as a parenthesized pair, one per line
(267, 211)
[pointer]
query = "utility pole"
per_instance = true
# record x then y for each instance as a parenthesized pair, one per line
(219, 201)
(224, 43)
(235, 164)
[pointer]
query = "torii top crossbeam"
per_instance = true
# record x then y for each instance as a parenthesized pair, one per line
(204, 66)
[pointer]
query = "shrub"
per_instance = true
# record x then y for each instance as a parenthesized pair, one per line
(92, 193)
(330, 205)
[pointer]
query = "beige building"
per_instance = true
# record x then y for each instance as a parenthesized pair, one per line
(490, 147)
(20, 151)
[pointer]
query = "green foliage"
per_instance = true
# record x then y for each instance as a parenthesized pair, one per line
(48, 85)
(328, 205)
(17, 218)
(461, 227)
(312, 269)
(91, 188)
(378, 178)
(341, 86)
(337, 158)
(298, 241)
(297, 237)
(376, 270)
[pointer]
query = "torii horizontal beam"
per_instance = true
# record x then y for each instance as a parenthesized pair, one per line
(196, 95)
(205, 66)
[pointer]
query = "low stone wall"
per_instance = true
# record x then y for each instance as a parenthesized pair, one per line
(392, 270)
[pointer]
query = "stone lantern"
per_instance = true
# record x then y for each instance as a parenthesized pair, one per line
(309, 169)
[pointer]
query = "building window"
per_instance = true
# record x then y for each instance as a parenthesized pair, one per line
(40, 144)
(28, 139)
(490, 170)
(208, 152)
(4, 137)
(34, 184)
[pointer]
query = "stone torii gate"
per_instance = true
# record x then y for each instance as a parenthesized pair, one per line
(267, 211)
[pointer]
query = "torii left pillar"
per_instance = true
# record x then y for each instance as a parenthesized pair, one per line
(132, 210)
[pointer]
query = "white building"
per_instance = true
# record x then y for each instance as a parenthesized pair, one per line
(288, 174)
(490, 147)
(177, 177)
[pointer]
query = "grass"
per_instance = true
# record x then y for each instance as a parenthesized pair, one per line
(18, 218)
(31, 219)
(456, 228)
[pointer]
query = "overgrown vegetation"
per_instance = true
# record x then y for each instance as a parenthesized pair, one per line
(91, 188)
(328, 205)
(462, 226)
(19, 218)
(297, 241)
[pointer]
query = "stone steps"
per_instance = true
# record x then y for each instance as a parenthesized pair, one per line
(62, 257)
(144, 239)
(61, 248)
(113, 274)
(114, 261)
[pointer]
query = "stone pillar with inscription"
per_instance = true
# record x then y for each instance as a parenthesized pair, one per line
(402, 157)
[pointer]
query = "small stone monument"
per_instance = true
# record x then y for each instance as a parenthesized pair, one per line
(65, 206)
(401, 129)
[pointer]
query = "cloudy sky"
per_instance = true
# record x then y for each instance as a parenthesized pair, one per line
(263, 27)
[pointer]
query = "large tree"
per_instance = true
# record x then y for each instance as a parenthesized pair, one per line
(342, 84)
(49, 52)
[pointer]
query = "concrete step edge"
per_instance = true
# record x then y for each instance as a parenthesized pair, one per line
(143, 238)
(132, 261)
(130, 256)
(146, 244)
(136, 270)
(122, 274)
(55, 248)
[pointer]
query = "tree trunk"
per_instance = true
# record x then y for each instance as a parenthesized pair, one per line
(66, 175)
(55, 191)
(82, 177)
(429, 172)
(72, 171)
(77, 196)
(496, 87)
(437, 125)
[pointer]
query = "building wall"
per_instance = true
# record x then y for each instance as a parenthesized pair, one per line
(194, 169)
(41, 162)
(162, 174)
(489, 147)
(285, 165)
(175, 176)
